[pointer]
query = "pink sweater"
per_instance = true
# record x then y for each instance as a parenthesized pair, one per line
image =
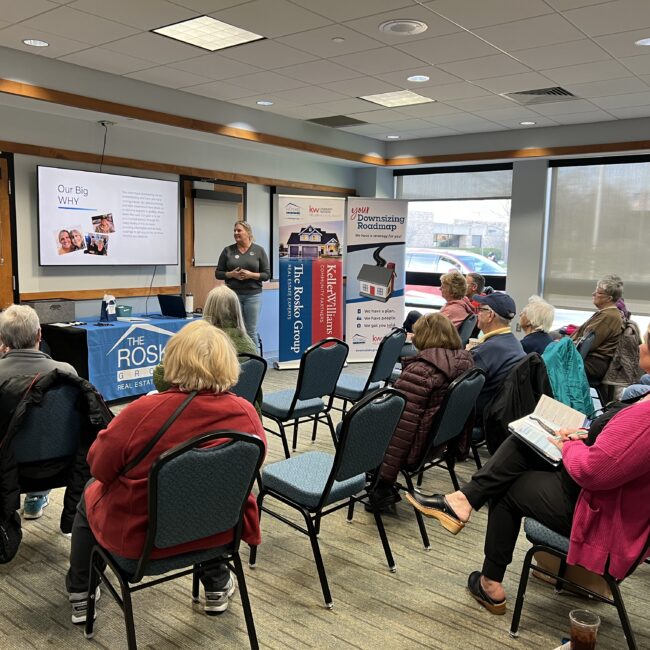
(457, 310)
(612, 515)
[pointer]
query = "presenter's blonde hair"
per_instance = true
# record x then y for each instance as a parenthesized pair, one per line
(247, 227)
(201, 357)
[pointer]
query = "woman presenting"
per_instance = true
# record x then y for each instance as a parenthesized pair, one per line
(244, 266)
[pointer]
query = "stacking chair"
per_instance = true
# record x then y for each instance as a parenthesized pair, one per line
(351, 388)
(219, 478)
(251, 376)
(584, 347)
(448, 424)
(466, 328)
(311, 400)
(547, 540)
(317, 483)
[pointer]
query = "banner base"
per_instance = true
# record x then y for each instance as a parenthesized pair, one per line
(287, 365)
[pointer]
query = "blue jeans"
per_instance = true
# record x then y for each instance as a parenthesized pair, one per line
(635, 390)
(251, 303)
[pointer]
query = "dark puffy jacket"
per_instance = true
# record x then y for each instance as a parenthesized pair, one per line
(17, 395)
(424, 380)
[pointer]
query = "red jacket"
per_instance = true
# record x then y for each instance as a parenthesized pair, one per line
(612, 516)
(117, 505)
(424, 380)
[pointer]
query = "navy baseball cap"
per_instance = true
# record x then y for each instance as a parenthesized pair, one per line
(501, 303)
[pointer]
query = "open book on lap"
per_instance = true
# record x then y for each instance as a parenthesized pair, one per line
(549, 416)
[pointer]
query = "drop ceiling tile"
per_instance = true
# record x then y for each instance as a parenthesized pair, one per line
(99, 58)
(265, 82)
(564, 5)
(584, 118)
(69, 23)
(208, 6)
(362, 86)
(459, 90)
(143, 14)
(498, 65)
(430, 132)
(472, 14)
(515, 82)
(512, 117)
(267, 55)
(562, 108)
(170, 77)
(155, 48)
(271, 18)
(301, 112)
(310, 95)
(630, 113)
(637, 64)
(467, 123)
(532, 32)
(14, 12)
(429, 111)
(318, 72)
(366, 129)
(14, 35)
(623, 101)
(218, 90)
(378, 116)
(611, 17)
(453, 47)
(607, 88)
(436, 26)
(555, 56)
(345, 106)
(436, 76)
(473, 104)
(384, 59)
(341, 10)
(319, 41)
(623, 44)
(279, 105)
(586, 72)
(215, 66)
(412, 124)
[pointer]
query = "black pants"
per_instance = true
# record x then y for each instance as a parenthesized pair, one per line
(83, 541)
(517, 483)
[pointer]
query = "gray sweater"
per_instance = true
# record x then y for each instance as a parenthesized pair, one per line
(255, 260)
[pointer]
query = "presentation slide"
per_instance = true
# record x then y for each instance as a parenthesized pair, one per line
(94, 219)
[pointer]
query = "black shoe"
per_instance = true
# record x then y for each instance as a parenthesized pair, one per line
(478, 594)
(436, 506)
(383, 498)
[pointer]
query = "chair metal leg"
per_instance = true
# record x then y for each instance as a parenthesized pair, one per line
(420, 478)
(195, 585)
(622, 612)
(451, 468)
(521, 592)
(418, 516)
(559, 583)
(384, 541)
(128, 616)
(313, 431)
(351, 510)
(327, 596)
(345, 407)
(477, 458)
(332, 429)
(92, 587)
(283, 437)
(245, 601)
(295, 435)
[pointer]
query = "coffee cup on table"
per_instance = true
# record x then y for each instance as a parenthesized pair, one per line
(472, 343)
(584, 629)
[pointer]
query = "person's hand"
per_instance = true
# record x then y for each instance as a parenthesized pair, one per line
(3, 349)
(245, 274)
(234, 273)
(564, 435)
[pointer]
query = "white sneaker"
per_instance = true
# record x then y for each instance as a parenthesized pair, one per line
(79, 604)
(216, 602)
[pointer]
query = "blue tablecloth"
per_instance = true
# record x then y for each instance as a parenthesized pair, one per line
(122, 356)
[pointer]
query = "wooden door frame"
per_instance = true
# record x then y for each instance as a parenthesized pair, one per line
(9, 268)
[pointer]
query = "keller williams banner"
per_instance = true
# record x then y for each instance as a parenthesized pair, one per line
(375, 255)
(311, 273)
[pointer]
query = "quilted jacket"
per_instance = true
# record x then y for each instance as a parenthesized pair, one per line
(424, 380)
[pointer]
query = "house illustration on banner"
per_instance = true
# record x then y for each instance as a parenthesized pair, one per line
(377, 282)
(311, 242)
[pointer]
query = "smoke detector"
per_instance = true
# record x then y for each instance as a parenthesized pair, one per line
(403, 27)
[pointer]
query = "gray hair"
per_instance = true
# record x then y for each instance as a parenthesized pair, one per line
(19, 327)
(540, 314)
(222, 309)
(612, 285)
(247, 227)
(478, 280)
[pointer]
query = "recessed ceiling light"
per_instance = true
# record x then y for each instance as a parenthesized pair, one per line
(392, 137)
(643, 41)
(35, 42)
(403, 27)
(338, 39)
(418, 78)
(398, 98)
(208, 33)
(527, 123)
(264, 102)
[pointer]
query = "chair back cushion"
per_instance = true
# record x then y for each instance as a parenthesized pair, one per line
(52, 428)
(466, 328)
(366, 431)
(584, 346)
(252, 371)
(387, 355)
(201, 492)
(320, 368)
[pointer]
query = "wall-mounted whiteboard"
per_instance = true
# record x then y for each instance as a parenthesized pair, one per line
(213, 227)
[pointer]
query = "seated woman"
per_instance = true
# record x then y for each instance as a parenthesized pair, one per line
(113, 510)
(458, 307)
(599, 497)
(536, 319)
(222, 310)
(424, 380)
(643, 387)
(606, 324)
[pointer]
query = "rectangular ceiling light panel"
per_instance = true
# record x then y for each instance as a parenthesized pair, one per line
(208, 33)
(399, 98)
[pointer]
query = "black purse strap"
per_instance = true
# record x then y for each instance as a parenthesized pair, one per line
(150, 445)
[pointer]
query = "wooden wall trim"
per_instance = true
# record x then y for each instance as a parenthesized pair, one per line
(165, 168)
(98, 294)
(148, 115)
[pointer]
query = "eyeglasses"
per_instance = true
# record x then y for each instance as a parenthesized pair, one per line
(485, 309)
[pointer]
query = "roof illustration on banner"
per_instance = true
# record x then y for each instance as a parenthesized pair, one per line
(357, 338)
(292, 208)
(311, 237)
(141, 326)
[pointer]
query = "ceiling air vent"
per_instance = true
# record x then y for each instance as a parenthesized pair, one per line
(337, 121)
(540, 96)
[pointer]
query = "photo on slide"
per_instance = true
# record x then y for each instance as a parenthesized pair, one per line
(69, 240)
(96, 244)
(103, 223)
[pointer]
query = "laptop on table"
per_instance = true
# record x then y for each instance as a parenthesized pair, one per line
(172, 306)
